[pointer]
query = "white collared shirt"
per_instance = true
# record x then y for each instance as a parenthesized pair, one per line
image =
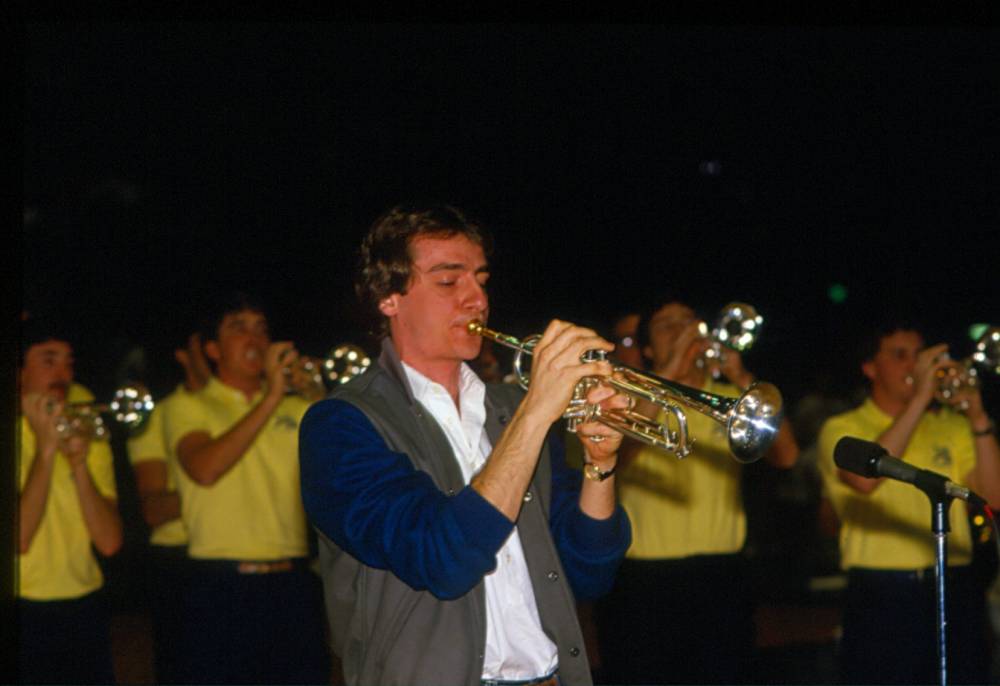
(516, 646)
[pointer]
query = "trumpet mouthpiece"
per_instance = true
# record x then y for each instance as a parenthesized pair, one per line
(474, 327)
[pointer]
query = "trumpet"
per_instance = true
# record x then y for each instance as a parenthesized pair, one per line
(130, 406)
(736, 328)
(956, 379)
(751, 420)
(311, 377)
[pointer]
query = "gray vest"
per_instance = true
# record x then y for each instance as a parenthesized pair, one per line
(387, 633)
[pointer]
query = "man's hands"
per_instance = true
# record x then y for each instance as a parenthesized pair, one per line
(556, 368)
(601, 442)
(555, 372)
(925, 378)
(42, 412)
(280, 356)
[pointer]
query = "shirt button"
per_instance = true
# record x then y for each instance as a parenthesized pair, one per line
(574, 651)
(553, 576)
(527, 496)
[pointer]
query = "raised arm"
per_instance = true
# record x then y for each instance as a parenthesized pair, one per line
(206, 459)
(984, 478)
(35, 490)
(556, 370)
(897, 436)
(100, 513)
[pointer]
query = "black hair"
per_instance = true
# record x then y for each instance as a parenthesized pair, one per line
(229, 303)
(666, 297)
(40, 329)
(870, 340)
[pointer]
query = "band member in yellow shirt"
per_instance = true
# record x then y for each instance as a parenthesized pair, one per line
(886, 543)
(67, 508)
(680, 611)
(254, 608)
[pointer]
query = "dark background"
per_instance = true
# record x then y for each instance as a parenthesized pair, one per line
(165, 160)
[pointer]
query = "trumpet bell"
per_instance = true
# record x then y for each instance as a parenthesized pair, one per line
(345, 362)
(987, 353)
(754, 422)
(737, 326)
(131, 406)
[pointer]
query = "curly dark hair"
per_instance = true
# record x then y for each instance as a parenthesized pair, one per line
(385, 261)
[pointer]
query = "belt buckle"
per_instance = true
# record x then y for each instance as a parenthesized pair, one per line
(263, 567)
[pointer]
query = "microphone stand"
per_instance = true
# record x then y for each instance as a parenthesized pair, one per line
(933, 485)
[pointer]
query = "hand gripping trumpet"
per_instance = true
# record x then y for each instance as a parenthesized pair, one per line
(967, 373)
(736, 328)
(130, 406)
(311, 377)
(751, 420)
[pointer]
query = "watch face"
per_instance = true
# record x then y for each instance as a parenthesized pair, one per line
(594, 474)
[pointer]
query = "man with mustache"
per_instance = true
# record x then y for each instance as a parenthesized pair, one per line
(253, 609)
(67, 507)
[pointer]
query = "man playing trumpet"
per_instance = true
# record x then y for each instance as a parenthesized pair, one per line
(453, 536)
(680, 610)
(886, 545)
(252, 609)
(67, 507)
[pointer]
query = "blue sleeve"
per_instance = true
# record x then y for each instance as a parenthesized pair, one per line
(375, 505)
(590, 549)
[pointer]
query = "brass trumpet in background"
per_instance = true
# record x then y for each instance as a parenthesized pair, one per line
(751, 420)
(736, 328)
(965, 374)
(312, 377)
(130, 407)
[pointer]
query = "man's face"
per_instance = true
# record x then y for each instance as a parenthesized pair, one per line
(48, 369)
(240, 345)
(890, 371)
(446, 291)
(664, 328)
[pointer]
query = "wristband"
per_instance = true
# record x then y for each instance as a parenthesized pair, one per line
(990, 428)
(592, 472)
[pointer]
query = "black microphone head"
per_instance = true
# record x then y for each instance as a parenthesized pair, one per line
(858, 456)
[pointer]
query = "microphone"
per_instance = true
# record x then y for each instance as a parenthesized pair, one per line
(870, 459)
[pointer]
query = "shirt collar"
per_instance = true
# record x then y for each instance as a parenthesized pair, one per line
(221, 390)
(471, 389)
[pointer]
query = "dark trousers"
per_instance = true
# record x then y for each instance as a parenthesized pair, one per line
(168, 571)
(685, 621)
(890, 628)
(253, 628)
(64, 641)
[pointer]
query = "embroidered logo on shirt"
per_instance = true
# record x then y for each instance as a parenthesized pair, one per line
(285, 422)
(942, 456)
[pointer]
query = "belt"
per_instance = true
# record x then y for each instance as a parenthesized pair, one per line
(908, 575)
(247, 567)
(550, 680)
(264, 566)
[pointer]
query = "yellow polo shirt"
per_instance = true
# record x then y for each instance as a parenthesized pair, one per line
(693, 506)
(254, 511)
(890, 528)
(151, 445)
(60, 563)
